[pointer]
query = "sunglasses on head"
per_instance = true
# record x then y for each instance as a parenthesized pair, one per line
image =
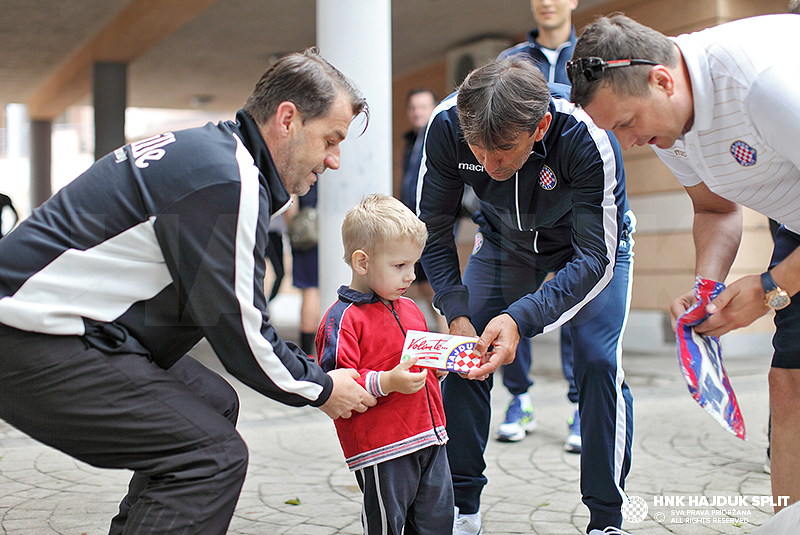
(594, 68)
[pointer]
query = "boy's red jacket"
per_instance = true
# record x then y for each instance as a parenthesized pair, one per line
(361, 332)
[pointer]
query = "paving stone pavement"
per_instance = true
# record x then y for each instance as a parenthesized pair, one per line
(297, 481)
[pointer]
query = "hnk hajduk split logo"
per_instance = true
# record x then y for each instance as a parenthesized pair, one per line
(698, 509)
(634, 510)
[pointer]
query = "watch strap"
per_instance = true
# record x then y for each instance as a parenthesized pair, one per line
(768, 282)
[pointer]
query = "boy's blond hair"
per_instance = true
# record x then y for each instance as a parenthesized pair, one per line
(379, 219)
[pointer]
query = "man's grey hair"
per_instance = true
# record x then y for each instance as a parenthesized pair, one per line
(616, 37)
(307, 80)
(501, 100)
(794, 6)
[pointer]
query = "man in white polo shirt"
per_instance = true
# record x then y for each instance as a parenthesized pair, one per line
(721, 108)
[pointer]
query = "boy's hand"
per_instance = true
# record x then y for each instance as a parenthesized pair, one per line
(402, 379)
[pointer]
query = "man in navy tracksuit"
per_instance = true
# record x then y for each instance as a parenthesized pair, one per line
(549, 46)
(552, 192)
(107, 286)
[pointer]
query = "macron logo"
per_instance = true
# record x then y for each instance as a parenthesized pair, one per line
(470, 167)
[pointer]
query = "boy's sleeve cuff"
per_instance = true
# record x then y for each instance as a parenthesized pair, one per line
(373, 384)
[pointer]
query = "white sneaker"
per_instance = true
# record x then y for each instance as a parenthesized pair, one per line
(519, 420)
(467, 524)
(610, 530)
(573, 443)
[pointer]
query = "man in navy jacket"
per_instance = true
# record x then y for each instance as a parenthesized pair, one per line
(552, 200)
(549, 46)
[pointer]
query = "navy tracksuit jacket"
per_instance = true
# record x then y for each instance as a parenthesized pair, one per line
(565, 211)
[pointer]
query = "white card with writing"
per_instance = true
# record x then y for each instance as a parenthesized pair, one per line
(442, 351)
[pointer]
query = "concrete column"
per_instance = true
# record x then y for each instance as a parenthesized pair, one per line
(41, 161)
(110, 89)
(356, 37)
(16, 121)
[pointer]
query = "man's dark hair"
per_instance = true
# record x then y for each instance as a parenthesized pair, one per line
(501, 100)
(616, 37)
(307, 80)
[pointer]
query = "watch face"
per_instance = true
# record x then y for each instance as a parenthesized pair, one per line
(779, 301)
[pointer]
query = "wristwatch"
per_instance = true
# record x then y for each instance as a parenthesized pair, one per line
(775, 298)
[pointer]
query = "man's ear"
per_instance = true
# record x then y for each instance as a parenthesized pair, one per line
(286, 115)
(360, 262)
(544, 124)
(662, 79)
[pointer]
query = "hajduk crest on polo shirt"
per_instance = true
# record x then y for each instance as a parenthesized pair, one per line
(547, 178)
(743, 153)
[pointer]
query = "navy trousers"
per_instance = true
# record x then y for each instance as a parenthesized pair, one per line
(409, 495)
(497, 278)
(174, 428)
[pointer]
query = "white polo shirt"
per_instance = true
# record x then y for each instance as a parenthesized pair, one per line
(745, 140)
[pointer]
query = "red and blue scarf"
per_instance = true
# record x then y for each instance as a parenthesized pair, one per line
(700, 358)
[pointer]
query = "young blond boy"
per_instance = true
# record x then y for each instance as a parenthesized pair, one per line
(396, 448)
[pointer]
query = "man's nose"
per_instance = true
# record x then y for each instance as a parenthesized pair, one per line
(626, 141)
(333, 158)
(491, 162)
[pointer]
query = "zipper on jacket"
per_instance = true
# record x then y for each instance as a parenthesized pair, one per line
(394, 313)
(427, 392)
